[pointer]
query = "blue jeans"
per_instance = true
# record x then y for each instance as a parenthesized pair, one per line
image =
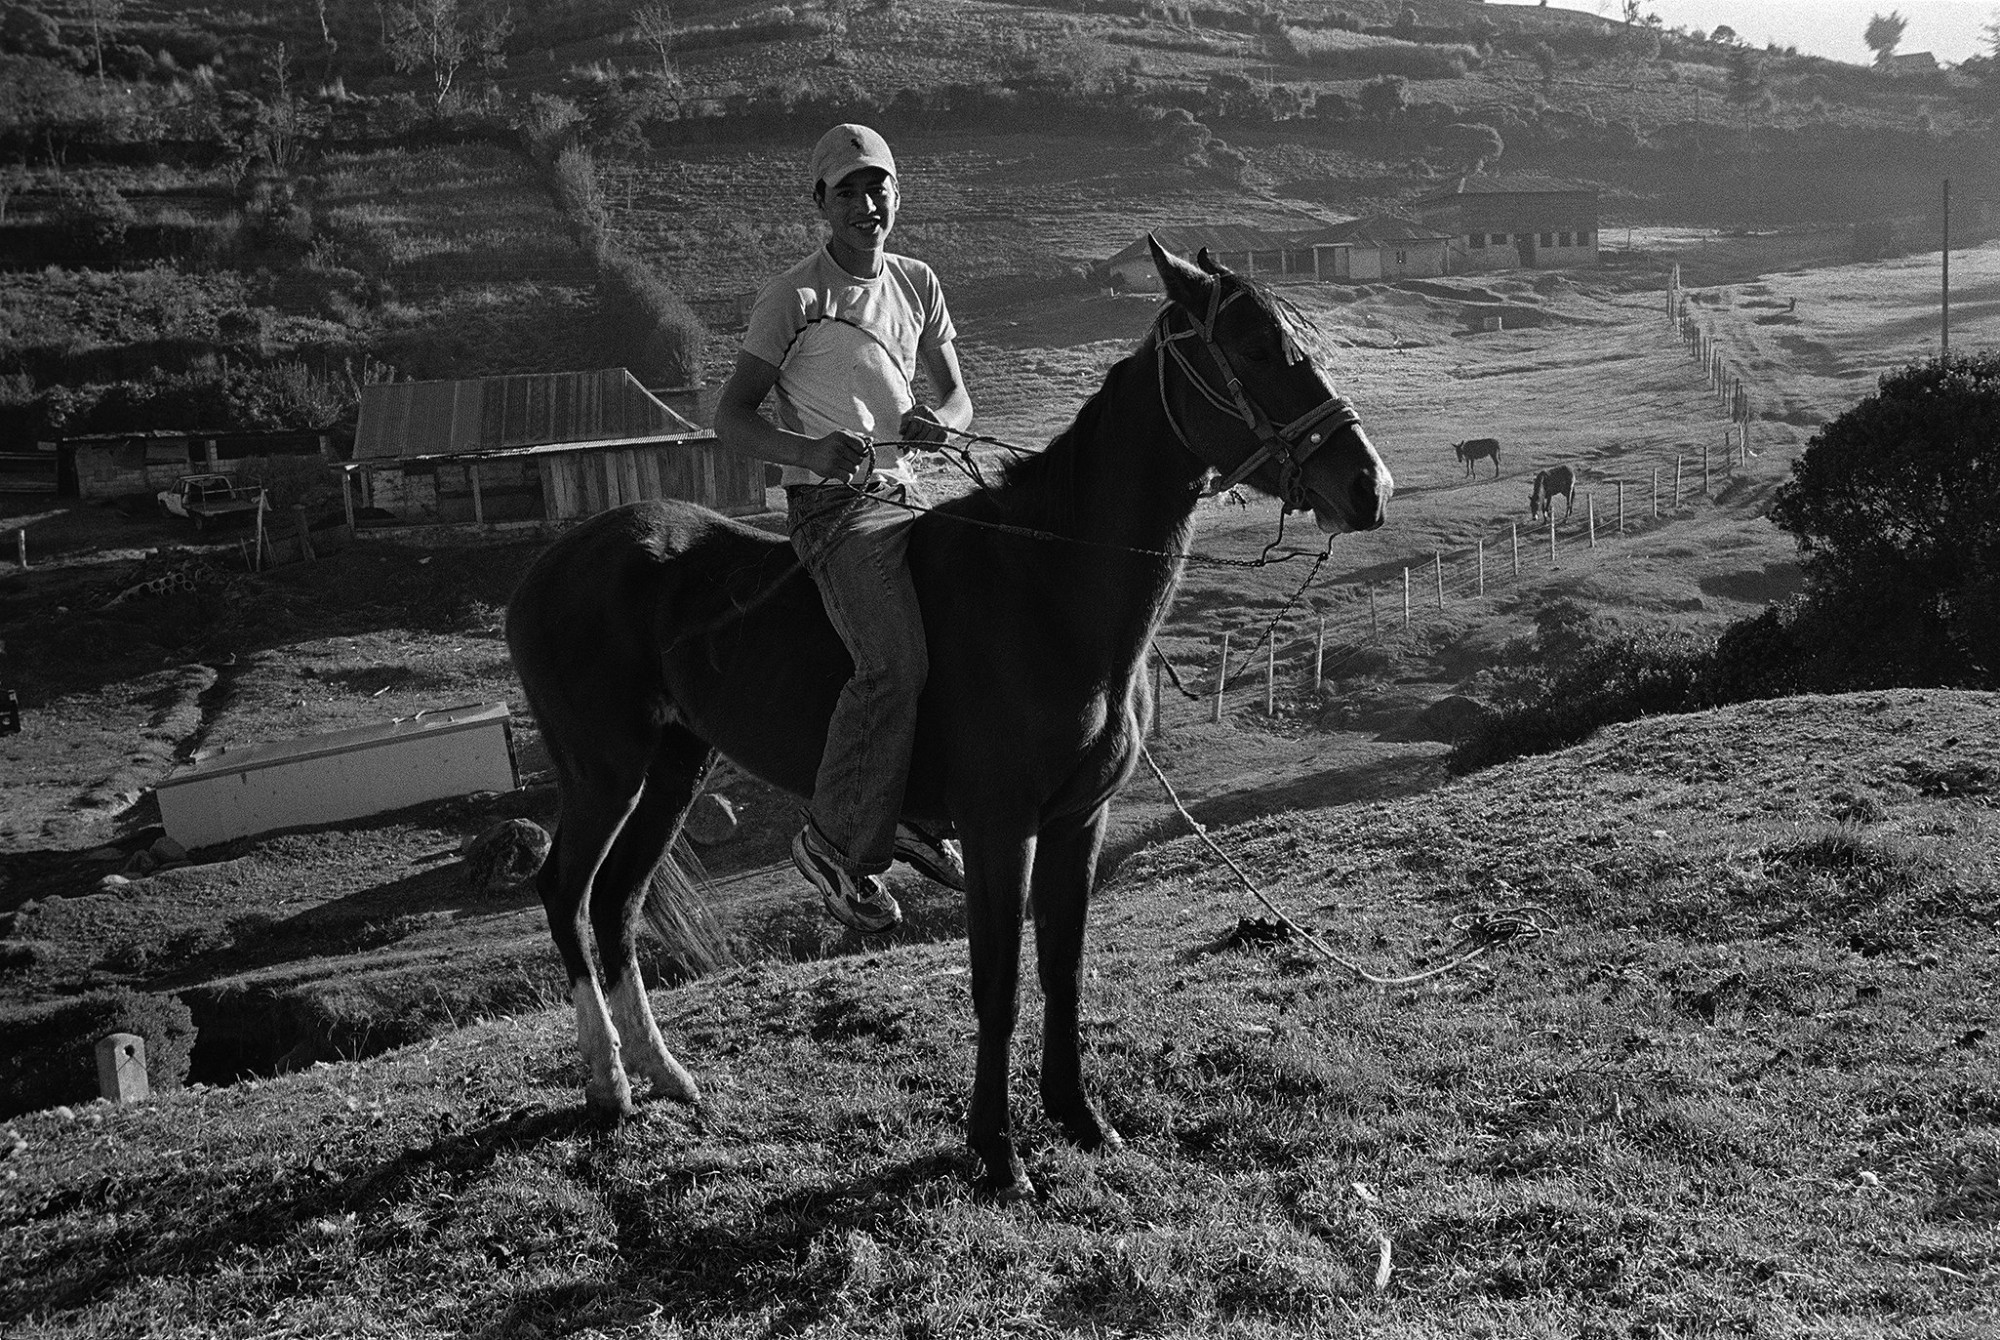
(856, 551)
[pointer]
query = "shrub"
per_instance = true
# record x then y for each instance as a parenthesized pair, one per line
(578, 195)
(1896, 509)
(95, 217)
(1383, 98)
(1570, 679)
(658, 334)
(48, 1052)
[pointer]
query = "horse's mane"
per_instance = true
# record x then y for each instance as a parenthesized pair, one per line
(1038, 470)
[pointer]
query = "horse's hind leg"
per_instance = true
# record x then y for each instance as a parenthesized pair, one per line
(672, 783)
(595, 807)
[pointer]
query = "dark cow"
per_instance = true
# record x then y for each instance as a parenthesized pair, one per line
(1479, 448)
(1548, 483)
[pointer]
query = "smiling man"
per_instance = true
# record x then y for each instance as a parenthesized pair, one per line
(839, 338)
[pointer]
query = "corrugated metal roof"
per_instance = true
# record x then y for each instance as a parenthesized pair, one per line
(410, 419)
(1382, 230)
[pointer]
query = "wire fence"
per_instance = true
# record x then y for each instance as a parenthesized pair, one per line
(1322, 634)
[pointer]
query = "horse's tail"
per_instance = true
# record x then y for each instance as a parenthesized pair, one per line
(678, 906)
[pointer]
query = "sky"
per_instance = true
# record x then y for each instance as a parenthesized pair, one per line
(1948, 29)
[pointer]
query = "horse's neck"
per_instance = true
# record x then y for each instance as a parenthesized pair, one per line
(1126, 488)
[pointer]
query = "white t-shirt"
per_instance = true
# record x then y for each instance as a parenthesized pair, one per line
(846, 349)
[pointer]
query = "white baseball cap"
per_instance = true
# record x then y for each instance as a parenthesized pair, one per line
(844, 149)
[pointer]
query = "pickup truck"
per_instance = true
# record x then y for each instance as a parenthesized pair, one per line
(209, 500)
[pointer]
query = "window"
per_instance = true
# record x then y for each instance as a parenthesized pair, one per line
(1548, 239)
(1402, 258)
(1583, 239)
(1568, 239)
(1479, 241)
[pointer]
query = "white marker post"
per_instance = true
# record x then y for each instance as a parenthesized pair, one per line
(1221, 678)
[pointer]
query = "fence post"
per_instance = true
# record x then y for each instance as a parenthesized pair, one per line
(1437, 559)
(1677, 481)
(1221, 678)
(1514, 533)
(1406, 598)
(21, 546)
(1704, 469)
(1621, 507)
(1319, 655)
(1552, 537)
(1656, 493)
(1482, 566)
(1590, 511)
(1271, 675)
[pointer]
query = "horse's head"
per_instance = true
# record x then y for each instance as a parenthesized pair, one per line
(1248, 400)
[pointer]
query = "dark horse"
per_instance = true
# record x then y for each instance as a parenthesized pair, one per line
(654, 636)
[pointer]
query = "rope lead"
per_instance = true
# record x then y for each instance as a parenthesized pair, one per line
(1479, 931)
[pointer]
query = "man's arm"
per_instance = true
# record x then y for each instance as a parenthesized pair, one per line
(740, 428)
(954, 407)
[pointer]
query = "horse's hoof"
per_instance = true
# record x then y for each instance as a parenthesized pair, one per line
(1009, 1188)
(1082, 1127)
(674, 1082)
(610, 1103)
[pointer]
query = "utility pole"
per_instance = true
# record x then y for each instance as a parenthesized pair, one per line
(1944, 309)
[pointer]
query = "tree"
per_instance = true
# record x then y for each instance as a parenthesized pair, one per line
(1474, 144)
(1724, 35)
(442, 37)
(654, 22)
(1746, 82)
(101, 13)
(1884, 31)
(1385, 96)
(1544, 57)
(1896, 509)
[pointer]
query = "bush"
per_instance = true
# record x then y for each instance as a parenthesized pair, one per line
(658, 336)
(95, 217)
(48, 1053)
(1896, 509)
(1571, 679)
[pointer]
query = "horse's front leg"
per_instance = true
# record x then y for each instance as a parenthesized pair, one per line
(996, 875)
(1065, 873)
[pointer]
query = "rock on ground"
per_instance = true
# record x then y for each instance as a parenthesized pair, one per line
(505, 855)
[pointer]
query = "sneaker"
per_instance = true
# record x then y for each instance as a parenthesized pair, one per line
(934, 857)
(861, 901)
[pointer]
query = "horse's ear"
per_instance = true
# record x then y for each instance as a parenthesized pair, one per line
(1183, 283)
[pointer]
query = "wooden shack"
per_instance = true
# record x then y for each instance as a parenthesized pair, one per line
(110, 465)
(543, 446)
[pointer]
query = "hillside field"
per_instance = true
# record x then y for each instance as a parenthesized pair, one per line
(1746, 1086)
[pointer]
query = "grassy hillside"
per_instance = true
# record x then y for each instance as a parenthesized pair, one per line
(1747, 1085)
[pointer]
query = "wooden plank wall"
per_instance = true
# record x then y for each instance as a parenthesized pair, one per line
(579, 484)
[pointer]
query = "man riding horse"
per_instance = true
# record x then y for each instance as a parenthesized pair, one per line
(839, 337)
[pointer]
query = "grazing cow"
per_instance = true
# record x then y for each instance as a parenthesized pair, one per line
(1548, 483)
(1478, 448)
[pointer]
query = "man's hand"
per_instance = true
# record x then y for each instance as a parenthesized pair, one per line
(839, 455)
(920, 424)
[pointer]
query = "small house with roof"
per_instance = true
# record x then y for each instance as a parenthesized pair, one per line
(1513, 221)
(1382, 247)
(1908, 63)
(1241, 247)
(541, 446)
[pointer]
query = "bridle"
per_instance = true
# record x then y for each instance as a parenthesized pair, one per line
(1295, 441)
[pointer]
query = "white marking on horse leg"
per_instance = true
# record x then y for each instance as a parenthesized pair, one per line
(607, 1090)
(645, 1048)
